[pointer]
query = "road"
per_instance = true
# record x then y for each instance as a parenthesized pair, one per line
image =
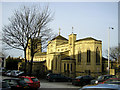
(45, 85)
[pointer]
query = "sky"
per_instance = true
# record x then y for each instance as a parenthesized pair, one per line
(89, 19)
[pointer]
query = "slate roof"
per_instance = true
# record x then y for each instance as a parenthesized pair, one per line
(59, 37)
(88, 38)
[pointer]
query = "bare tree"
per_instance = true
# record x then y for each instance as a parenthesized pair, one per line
(27, 24)
(114, 53)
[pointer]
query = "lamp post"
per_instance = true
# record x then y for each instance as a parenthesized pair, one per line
(109, 49)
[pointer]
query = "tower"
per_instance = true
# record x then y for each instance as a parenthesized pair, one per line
(72, 39)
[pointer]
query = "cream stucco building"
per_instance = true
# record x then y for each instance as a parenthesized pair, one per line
(72, 57)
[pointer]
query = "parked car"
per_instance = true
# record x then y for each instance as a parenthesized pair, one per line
(102, 78)
(33, 82)
(16, 73)
(8, 73)
(3, 72)
(111, 81)
(101, 87)
(4, 86)
(82, 80)
(16, 83)
(57, 77)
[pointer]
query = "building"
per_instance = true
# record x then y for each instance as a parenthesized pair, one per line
(72, 57)
(2, 61)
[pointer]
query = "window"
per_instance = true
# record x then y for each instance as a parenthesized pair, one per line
(64, 67)
(88, 56)
(97, 56)
(56, 63)
(79, 56)
(71, 67)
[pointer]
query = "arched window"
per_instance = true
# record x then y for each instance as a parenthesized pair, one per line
(88, 56)
(97, 56)
(79, 56)
(56, 63)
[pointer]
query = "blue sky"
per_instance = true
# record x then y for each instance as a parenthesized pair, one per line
(89, 19)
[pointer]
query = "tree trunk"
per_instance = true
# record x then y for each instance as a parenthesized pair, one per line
(25, 61)
(31, 64)
(32, 55)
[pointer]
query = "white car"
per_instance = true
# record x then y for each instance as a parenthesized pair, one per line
(102, 87)
(16, 73)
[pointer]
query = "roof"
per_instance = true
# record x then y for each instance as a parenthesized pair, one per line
(40, 53)
(59, 37)
(68, 58)
(39, 61)
(88, 38)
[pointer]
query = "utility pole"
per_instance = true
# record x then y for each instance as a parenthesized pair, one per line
(109, 49)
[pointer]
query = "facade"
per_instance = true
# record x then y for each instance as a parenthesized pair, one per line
(72, 57)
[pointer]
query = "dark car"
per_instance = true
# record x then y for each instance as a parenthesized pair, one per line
(4, 86)
(57, 77)
(102, 78)
(111, 81)
(33, 82)
(16, 83)
(82, 80)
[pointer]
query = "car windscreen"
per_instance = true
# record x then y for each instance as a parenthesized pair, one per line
(100, 77)
(78, 77)
(34, 79)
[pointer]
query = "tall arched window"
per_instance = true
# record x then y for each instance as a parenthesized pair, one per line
(56, 63)
(88, 56)
(97, 56)
(79, 56)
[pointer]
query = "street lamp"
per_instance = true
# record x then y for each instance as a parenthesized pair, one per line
(109, 48)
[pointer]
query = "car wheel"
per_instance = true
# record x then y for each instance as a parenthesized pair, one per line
(83, 84)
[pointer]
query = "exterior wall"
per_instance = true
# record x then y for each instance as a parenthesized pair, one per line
(58, 49)
(49, 63)
(83, 46)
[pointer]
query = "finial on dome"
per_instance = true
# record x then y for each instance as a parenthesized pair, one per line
(72, 29)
